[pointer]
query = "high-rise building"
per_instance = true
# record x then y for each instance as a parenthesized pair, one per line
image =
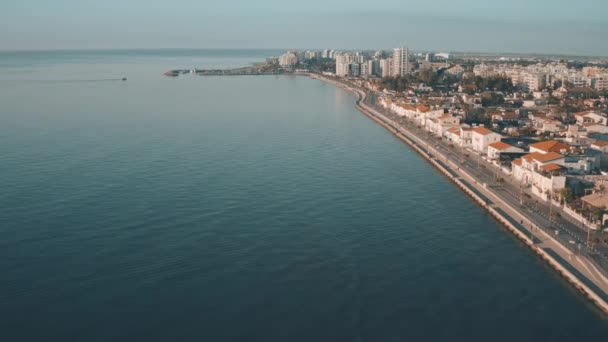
(343, 62)
(363, 69)
(373, 68)
(600, 82)
(308, 55)
(386, 67)
(535, 82)
(300, 55)
(401, 58)
(288, 59)
(354, 69)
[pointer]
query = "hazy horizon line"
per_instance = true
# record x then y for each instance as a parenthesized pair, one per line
(297, 49)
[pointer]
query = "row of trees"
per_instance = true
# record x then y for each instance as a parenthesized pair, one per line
(397, 83)
(496, 83)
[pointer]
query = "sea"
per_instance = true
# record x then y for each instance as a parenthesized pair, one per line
(241, 208)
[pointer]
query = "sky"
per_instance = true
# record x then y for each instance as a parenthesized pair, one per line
(518, 26)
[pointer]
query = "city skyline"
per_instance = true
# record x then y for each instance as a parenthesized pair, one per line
(542, 27)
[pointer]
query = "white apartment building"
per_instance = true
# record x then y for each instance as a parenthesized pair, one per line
(499, 147)
(541, 171)
(440, 125)
(482, 137)
(535, 81)
(288, 59)
(401, 58)
(386, 66)
(599, 82)
(343, 62)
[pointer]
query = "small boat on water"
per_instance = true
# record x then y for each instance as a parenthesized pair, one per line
(172, 73)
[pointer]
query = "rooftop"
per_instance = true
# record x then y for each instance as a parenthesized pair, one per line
(482, 131)
(550, 146)
(499, 145)
(551, 167)
(542, 158)
(598, 200)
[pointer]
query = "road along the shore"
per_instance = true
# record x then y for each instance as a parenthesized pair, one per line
(576, 269)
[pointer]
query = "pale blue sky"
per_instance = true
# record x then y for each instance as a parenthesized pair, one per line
(544, 26)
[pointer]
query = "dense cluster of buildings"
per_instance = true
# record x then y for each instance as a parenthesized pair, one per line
(563, 153)
(549, 132)
(539, 76)
(398, 62)
(574, 160)
(354, 64)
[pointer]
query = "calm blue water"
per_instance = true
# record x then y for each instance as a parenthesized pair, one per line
(241, 209)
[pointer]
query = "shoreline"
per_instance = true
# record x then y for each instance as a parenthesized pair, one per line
(498, 209)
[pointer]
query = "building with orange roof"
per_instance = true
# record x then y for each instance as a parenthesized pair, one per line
(441, 124)
(549, 146)
(544, 172)
(591, 117)
(481, 137)
(453, 135)
(499, 147)
(417, 112)
(466, 136)
(551, 167)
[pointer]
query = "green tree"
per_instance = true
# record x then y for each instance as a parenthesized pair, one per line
(565, 195)
(492, 99)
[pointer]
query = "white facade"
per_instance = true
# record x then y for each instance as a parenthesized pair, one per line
(495, 149)
(583, 118)
(537, 170)
(482, 137)
(439, 126)
(386, 66)
(400, 62)
(466, 137)
(343, 62)
(288, 59)
(419, 113)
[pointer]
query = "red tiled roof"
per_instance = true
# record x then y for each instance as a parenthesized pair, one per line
(482, 130)
(407, 106)
(423, 109)
(499, 145)
(540, 157)
(550, 146)
(543, 158)
(551, 167)
(600, 143)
